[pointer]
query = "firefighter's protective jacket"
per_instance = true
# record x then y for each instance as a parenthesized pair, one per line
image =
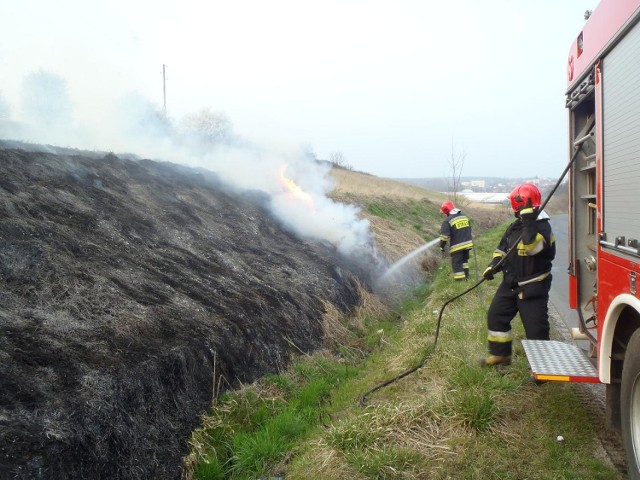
(535, 251)
(456, 230)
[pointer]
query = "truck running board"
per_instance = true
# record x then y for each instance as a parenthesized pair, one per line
(556, 361)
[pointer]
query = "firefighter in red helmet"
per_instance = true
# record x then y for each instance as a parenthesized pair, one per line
(456, 230)
(526, 276)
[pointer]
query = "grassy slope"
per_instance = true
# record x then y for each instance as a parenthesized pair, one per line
(450, 419)
(402, 216)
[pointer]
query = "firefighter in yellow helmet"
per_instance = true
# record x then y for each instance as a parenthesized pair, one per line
(526, 276)
(456, 230)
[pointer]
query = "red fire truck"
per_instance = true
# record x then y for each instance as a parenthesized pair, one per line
(603, 102)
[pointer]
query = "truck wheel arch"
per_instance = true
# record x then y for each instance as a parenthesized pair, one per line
(622, 319)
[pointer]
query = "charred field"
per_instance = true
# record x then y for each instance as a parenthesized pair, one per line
(130, 291)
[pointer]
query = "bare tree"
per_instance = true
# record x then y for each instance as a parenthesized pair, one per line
(45, 98)
(338, 160)
(142, 118)
(456, 165)
(207, 128)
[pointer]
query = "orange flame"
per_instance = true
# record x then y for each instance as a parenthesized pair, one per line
(293, 188)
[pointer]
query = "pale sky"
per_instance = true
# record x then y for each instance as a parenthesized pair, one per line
(391, 85)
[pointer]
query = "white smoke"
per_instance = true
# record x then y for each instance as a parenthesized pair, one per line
(204, 139)
(312, 215)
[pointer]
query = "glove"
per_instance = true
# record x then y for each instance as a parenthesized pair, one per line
(488, 273)
(528, 215)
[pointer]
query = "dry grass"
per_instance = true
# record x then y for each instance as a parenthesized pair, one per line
(394, 241)
(345, 333)
(406, 439)
(356, 183)
(340, 335)
(370, 305)
(329, 464)
(350, 183)
(411, 213)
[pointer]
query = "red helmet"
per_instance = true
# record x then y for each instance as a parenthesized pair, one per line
(525, 195)
(447, 206)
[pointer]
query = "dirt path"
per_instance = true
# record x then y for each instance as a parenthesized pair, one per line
(593, 398)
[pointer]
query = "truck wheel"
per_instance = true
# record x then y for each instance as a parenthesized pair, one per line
(630, 405)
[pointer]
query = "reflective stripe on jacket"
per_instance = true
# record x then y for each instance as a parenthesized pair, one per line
(535, 251)
(456, 230)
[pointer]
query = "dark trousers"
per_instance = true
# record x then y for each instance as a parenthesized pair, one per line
(460, 264)
(531, 302)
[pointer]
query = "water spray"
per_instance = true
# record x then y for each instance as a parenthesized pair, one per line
(400, 263)
(431, 350)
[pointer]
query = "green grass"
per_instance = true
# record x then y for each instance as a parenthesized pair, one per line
(450, 419)
(420, 215)
(250, 430)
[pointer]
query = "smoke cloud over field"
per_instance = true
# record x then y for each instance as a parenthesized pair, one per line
(296, 183)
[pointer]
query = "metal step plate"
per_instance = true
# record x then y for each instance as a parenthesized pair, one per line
(556, 361)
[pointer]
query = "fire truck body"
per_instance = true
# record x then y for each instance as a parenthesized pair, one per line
(603, 101)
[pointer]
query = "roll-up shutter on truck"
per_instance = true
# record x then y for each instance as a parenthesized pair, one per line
(621, 138)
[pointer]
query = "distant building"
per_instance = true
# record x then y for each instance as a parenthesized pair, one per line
(535, 181)
(475, 184)
(499, 198)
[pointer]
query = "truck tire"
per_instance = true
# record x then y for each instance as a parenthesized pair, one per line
(630, 405)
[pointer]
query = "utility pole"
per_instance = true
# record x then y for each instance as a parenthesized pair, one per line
(164, 87)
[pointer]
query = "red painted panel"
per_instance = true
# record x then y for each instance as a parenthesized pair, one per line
(573, 292)
(605, 21)
(613, 280)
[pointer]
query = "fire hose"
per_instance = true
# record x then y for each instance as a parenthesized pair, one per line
(431, 350)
